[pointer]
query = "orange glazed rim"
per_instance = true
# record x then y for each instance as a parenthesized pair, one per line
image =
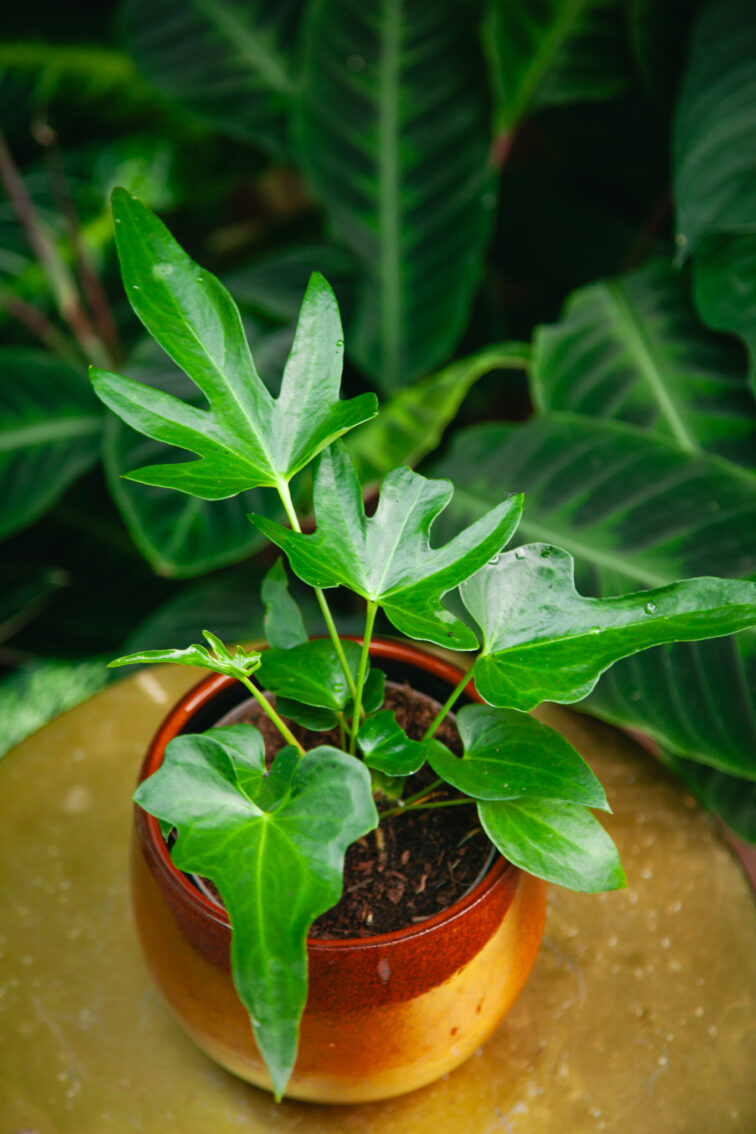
(208, 688)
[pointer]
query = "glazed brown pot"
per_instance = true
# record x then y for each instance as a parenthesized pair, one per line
(384, 1014)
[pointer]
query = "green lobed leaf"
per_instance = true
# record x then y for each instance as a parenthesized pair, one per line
(508, 755)
(412, 421)
(393, 130)
(635, 512)
(247, 438)
(179, 535)
(631, 349)
(237, 663)
(226, 61)
(559, 842)
(386, 747)
(50, 427)
(554, 52)
(542, 641)
(286, 836)
(387, 558)
(283, 623)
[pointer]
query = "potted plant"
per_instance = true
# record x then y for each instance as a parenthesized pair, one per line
(243, 825)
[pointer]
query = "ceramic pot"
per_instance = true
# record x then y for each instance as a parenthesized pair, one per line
(385, 1014)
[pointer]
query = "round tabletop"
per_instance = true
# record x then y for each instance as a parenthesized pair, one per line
(636, 1016)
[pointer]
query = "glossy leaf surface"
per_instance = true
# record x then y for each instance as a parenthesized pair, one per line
(310, 673)
(180, 536)
(226, 61)
(508, 754)
(386, 747)
(247, 438)
(559, 842)
(555, 52)
(50, 428)
(635, 512)
(258, 837)
(394, 135)
(542, 641)
(283, 623)
(387, 558)
(631, 349)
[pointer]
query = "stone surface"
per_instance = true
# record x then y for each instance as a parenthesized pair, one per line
(636, 1017)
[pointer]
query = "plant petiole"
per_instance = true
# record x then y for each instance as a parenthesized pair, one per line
(285, 495)
(372, 610)
(420, 806)
(448, 704)
(266, 706)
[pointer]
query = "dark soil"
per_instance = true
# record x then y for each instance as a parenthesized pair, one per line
(428, 858)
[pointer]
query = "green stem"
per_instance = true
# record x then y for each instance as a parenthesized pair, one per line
(266, 706)
(450, 701)
(372, 610)
(283, 492)
(423, 794)
(425, 807)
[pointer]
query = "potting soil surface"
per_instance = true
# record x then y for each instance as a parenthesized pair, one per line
(638, 1016)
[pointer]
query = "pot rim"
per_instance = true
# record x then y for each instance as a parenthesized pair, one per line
(203, 692)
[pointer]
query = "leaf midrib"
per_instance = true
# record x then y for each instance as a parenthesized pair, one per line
(643, 352)
(233, 30)
(544, 57)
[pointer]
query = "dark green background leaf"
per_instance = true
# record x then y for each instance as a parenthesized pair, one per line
(631, 349)
(50, 428)
(394, 136)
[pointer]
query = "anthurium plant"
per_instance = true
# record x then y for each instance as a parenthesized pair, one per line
(272, 836)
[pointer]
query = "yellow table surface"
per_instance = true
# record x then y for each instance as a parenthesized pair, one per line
(638, 1017)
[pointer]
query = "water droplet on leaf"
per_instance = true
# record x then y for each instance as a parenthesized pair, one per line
(494, 560)
(519, 553)
(595, 630)
(650, 607)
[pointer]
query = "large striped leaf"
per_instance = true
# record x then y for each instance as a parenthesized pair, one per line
(631, 349)
(715, 128)
(50, 426)
(394, 135)
(552, 52)
(227, 61)
(636, 513)
(715, 166)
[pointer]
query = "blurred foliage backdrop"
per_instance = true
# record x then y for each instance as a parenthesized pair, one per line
(539, 217)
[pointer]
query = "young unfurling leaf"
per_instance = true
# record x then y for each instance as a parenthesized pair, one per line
(387, 558)
(237, 663)
(246, 438)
